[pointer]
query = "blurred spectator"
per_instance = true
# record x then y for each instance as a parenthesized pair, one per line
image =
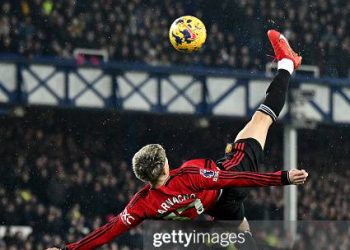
(65, 174)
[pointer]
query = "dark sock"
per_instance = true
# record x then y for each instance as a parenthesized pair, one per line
(276, 95)
(248, 244)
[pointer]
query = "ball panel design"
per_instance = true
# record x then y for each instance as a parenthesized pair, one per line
(187, 34)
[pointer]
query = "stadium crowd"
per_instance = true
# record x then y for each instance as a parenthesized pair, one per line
(65, 174)
(135, 30)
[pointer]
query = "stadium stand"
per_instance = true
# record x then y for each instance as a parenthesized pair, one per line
(65, 174)
(68, 175)
(135, 30)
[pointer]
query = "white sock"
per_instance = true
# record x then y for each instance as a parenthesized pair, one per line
(286, 64)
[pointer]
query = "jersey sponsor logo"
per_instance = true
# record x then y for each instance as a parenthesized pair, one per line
(210, 174)
(126, 217)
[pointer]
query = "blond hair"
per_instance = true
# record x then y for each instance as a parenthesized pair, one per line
(148, 162)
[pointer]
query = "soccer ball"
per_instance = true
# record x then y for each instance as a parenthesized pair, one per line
(187, 34)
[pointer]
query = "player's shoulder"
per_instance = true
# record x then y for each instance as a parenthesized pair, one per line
(199, 163)
(140, 195)
(194, 166)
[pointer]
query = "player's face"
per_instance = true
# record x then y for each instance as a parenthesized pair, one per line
(166, 167)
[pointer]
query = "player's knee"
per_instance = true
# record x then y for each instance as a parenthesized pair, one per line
(244, 226)
(261, 119)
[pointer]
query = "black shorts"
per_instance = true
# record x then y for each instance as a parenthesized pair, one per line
(243, 155)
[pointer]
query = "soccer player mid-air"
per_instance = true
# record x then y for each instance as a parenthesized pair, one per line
(202, 185)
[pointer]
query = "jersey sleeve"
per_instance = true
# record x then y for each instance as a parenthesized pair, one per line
(129, 218)
(216, 179)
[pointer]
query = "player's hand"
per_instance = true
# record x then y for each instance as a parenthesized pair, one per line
(297, 177)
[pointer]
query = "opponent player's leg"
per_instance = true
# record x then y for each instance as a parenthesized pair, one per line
(276, 93)
(228, 207)
(249, 242)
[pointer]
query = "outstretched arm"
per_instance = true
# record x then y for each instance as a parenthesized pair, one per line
(100, 236)
(217, 179)
(120, 224)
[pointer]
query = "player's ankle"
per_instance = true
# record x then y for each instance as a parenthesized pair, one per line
(286, 64)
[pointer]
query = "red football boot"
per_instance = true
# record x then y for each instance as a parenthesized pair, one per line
(282, 48)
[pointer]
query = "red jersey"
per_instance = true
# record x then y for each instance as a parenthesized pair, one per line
(188, 192)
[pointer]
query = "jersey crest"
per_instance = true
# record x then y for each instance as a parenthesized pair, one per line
(229, 147)
(208, 173)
